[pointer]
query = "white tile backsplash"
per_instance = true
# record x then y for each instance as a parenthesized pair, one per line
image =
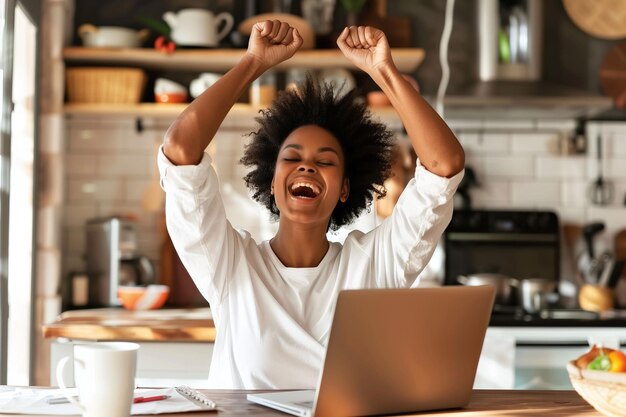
(535, 143)
(485, 143)
(95, 189)
(620, 193)
(615, 168)
(565, 167)
(77, 214)
(75, 240)
(80, 164)
(509, 166)
(517, 163)
(612, 127)
(509, 124)
(465, 124)
(491, 193)
(556, 124)
(93, 138)
(114, 207)
(615, 144)
(575, 193)
(135, 189)
(535, 194)
(139, 142)
(124, 165)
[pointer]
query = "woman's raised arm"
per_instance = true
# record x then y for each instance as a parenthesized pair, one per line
(433, 141)
(271, 42)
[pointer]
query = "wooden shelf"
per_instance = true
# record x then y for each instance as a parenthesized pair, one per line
(131, 110)
(143, 109)
(406, 59)
(172, 110)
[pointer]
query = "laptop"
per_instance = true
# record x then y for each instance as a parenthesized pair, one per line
(396, 351)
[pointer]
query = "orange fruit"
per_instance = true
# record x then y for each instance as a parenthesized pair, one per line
(618, 361)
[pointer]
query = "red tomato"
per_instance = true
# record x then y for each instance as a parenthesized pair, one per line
(162, 44)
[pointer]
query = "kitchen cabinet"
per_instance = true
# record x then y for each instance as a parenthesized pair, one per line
(541, 353)
(159, 364)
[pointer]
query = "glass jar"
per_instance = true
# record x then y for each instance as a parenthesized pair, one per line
(263, 90)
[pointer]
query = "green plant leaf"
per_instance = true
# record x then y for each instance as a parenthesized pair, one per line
(157, 25)
(353, 5)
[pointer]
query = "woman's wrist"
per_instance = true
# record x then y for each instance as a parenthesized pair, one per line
(254, 64)
(385, 74)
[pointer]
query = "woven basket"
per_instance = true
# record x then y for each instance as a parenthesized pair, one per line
(105, 85)
(605, 391)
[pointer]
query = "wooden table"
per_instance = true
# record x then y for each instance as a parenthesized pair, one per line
(509, 403)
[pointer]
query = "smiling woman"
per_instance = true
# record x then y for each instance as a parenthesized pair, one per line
(317, 160)
(322, 136)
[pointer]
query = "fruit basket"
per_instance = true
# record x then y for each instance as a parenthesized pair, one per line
(605, 391)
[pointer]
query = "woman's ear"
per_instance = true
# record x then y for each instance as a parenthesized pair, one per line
(272, 187)
(345, 190)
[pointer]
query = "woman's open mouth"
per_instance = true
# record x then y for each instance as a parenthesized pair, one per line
(304, 189)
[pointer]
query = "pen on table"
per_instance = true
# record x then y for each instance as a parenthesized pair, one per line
(136, 400)
(148, 399)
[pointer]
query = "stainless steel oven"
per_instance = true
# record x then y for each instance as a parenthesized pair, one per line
(521, 244)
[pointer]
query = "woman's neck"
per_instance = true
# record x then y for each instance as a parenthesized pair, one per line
(300, 246)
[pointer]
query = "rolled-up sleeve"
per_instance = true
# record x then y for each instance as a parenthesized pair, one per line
(196, 222)
(404, 242)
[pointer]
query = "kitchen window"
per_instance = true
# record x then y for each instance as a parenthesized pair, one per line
(18, 144)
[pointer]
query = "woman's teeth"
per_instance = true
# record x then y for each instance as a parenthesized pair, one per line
(304, 189)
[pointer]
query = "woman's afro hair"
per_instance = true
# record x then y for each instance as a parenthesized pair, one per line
(366, 144)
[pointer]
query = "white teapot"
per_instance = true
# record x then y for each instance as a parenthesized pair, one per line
(198, 27)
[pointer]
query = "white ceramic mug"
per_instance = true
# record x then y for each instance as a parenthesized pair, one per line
(204, 81)
(198, 27)
(104, 374)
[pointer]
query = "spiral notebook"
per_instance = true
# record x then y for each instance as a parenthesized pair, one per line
(196, 397)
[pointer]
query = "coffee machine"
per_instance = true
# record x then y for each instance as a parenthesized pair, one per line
(112, 260)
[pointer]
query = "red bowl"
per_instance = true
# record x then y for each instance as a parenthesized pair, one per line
(170, 97)
(143, 298)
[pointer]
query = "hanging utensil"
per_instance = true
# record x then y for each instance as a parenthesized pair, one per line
(601, 190)
(587, 262)
(607, 263)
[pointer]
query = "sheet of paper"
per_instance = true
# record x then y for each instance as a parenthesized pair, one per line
(35, 401)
